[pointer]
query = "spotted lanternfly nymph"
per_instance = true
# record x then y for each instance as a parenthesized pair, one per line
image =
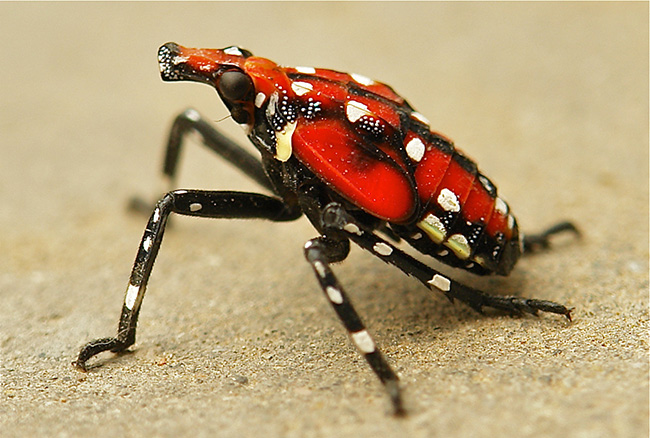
(362, 165)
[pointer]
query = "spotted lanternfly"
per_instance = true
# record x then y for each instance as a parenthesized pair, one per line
(362, 165)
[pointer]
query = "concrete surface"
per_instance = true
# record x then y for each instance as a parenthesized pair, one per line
(235, 338)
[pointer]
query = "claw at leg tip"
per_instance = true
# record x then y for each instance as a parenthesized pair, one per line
(395, 393)
(81, 366)
(568, 314)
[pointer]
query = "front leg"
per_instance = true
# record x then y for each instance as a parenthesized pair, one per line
(191, 121)
(186, 123)
(200, 203)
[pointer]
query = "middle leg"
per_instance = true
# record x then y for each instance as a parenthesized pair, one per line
(320, 252)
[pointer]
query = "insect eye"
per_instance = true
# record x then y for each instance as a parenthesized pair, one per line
(234, 85)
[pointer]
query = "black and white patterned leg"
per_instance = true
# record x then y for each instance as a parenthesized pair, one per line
(335, 217)
(200, 203)
(320, 252)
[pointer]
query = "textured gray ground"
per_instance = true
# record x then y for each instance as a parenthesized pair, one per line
(235, 339)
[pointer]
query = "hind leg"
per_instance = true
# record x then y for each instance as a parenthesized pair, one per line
(337, 218)
(538, 242)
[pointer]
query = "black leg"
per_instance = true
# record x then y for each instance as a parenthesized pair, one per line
(536, 242)
(337, 218)
(191, 121)
(186, 202)
(320, 252)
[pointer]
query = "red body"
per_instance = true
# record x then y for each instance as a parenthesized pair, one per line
(368, 145)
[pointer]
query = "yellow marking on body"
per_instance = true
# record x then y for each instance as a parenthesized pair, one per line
(433, 227)
(459, 245)
(283, 146)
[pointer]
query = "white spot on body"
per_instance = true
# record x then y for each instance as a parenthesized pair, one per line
(195, 206)
(233, 50)
(156, 215)
(283, 147)
(415, 149)
(259, 99)
(355, 110)
(179, 59)
(306, 70)
(501, 206)
(382, 249)
(363, 80)
(301, 88)
(487, 185)
(131, 295)
(334, 295)
(511, 221)
(416, 115)
(273, 102)
(352, 228)
(363, 341)
(448, 200)
(440, 282)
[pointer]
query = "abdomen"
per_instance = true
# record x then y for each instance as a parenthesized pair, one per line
(462, 220)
